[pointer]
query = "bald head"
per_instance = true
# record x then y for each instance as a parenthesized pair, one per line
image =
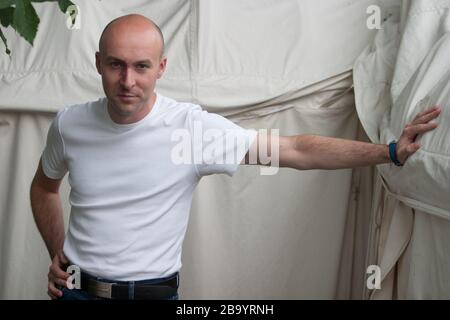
(131, 23)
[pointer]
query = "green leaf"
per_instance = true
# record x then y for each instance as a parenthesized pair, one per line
(6, 16)
(8, 52)
(25, 20)
(20, 14)
(6, 3)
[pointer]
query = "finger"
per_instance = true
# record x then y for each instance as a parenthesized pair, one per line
(57, 272)
(413, 130)
(429, 110)
(61, 282)
(53, 291)
(51, 295)
(427, 117)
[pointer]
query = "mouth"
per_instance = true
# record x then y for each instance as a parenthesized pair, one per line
(127, 96)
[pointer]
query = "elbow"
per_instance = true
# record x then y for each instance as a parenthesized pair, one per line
(295, 153)
(42, 187)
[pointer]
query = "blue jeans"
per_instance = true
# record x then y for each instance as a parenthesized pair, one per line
(80, 294)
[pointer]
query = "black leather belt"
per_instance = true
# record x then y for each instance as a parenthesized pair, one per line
(120, 290)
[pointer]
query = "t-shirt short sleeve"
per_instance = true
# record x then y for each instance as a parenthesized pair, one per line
(53, 163)
(218, 144)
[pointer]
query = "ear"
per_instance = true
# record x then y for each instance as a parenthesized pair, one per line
(162, 66)
(97, 63)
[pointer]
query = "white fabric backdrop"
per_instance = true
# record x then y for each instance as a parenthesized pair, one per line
(265, 64)
(267, 49)
(403, 72)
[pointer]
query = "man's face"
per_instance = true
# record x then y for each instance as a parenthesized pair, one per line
(130, 63)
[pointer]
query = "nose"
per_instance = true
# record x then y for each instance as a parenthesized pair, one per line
(127, 79)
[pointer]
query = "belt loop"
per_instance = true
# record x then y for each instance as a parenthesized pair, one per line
(131, 290)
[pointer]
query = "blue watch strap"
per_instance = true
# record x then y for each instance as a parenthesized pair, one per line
(393, 153)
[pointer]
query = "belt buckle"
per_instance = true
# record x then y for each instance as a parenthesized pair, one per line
(100, 289)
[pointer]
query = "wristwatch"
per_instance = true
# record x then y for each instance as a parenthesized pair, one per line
(393, 153)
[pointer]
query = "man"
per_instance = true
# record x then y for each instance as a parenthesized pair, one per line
(130, 201)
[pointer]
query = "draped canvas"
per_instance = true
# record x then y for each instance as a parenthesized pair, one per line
(264, 64)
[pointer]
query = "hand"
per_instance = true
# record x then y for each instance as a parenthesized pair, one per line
(406, 145)
(57, 277)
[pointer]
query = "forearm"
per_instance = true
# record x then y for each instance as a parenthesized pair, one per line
(332, 153)
(48, 214)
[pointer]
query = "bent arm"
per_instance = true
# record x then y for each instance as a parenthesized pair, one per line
(47, 210)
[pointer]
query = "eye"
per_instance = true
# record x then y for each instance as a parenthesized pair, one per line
(115, 65)
(142, 66)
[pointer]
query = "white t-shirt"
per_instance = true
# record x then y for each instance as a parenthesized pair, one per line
(132, 184)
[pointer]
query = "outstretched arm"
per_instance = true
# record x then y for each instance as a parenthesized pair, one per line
(316, 152)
